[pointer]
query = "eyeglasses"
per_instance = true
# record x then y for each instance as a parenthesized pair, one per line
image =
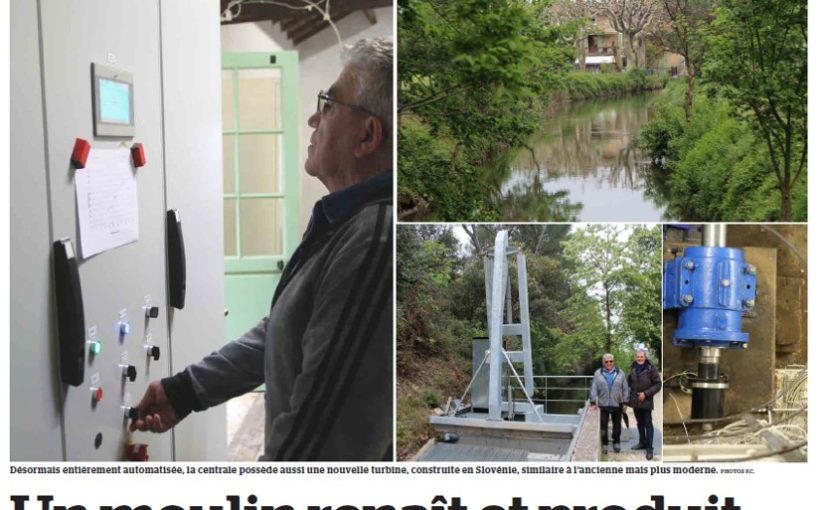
(609, 361)
(325, 102)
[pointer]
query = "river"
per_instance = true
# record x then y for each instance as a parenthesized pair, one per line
(582, 166)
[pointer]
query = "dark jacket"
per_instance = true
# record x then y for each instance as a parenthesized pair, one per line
(325, 350)
(648, 381)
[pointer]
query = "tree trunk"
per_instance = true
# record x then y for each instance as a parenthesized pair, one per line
(608, 344)
(786, 204)
(691, 79)
(630, 51)
(787, 156)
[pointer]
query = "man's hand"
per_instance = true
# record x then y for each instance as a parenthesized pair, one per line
(155, 413)
(641, 396)
(593, 407)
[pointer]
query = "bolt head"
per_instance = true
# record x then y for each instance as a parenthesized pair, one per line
(689, 265)
(687, 299)
(750, 269)
(749, 303)
(725, 283)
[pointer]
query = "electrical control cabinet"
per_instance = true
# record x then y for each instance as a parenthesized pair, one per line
(133, 333)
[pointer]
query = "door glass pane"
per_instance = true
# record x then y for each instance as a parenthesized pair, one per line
(260, 98)
(261, 226)
(227, 99)
(229, 163)
(229, 248)
(260, 162)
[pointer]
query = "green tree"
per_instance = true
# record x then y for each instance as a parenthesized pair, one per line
(758, 54)
(641, 295)
(596, 256)
(684, 33)
(631, 18)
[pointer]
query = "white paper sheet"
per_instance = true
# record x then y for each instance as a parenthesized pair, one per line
(107, 201)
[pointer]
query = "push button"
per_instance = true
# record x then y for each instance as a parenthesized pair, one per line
(124, 328)
(97, 393)
(95, 347)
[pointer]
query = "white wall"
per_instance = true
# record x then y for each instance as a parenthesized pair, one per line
(319, 62)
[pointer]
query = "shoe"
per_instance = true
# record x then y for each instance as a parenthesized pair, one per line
(649, 455)
(616, 448)
(604, 449)
(638, 446)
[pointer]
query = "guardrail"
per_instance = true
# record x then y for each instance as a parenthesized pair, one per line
(555, 390)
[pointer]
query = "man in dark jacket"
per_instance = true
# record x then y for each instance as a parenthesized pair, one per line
(644, 382)
(325, 350)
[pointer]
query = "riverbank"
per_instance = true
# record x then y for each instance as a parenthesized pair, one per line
(715, 166)
(579, 86)
(441, 160)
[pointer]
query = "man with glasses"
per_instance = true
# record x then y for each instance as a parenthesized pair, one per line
(325, 350)
(609, 392)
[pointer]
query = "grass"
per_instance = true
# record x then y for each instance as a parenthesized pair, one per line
(424, 384)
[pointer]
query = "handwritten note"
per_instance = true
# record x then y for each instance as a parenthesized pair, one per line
(107, 201)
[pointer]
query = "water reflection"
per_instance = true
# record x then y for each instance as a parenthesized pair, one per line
(583, 165)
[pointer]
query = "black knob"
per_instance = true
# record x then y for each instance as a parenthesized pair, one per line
(130, 372)
(154, 352)
(132, 413)
(152, 312)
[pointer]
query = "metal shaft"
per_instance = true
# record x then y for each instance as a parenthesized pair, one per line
(714, 235)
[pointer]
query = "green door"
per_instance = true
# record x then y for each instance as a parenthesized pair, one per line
(260, 180)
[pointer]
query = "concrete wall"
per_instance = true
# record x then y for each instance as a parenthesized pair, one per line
(319, 65)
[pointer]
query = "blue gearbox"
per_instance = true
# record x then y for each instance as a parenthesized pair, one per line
(711, 287)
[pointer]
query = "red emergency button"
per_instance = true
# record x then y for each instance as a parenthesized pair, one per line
(97, 394)
(80, 152)
(137, 452)
(138, 156)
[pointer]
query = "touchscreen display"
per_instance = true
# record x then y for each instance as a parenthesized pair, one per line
(114, 102)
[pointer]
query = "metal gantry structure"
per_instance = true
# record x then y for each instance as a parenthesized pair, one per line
(496, 426)
(500, 325)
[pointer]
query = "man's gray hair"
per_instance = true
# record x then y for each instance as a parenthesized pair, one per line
(374, 87)
(607, 356)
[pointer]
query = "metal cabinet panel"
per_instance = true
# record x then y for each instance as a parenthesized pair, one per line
(192, 136)
(117, 284)
(35, 422)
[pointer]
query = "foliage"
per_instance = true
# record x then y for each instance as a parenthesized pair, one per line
(641, 298)
(581, 85)
(424, 269)
(712, 167)
(595, 252)
(472, 79)
(685, 33)
(758, 56)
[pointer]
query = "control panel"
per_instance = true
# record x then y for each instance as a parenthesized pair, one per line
(121, 357)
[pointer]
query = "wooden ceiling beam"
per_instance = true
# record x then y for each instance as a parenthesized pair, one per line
(253, 10)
